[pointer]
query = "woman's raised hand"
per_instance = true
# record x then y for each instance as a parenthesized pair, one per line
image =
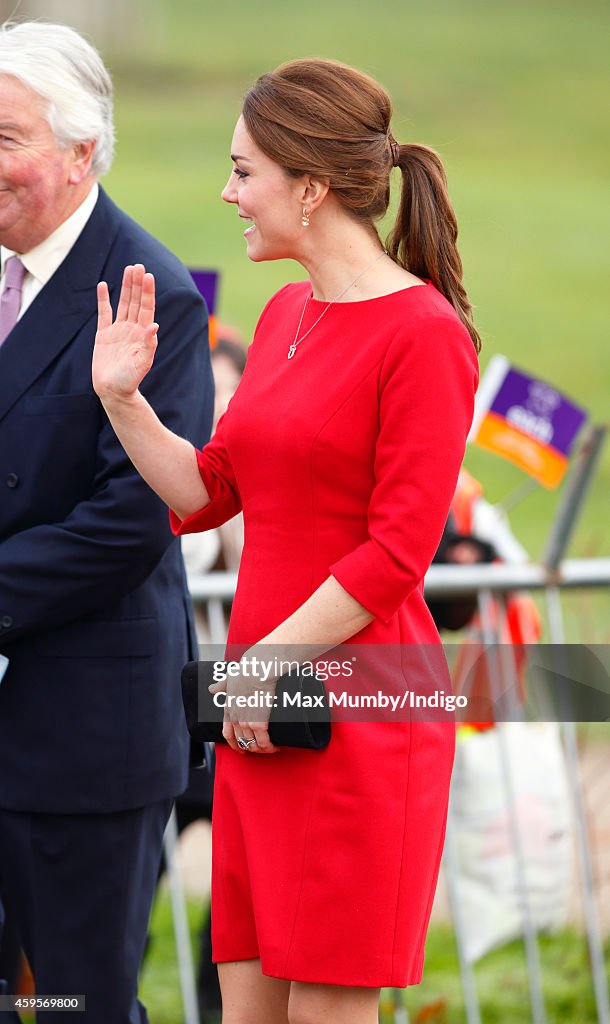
(124, 350)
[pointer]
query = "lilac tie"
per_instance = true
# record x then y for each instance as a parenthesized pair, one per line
(10, 300)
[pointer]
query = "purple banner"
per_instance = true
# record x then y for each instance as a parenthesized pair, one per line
(207, 285)
(539, 410)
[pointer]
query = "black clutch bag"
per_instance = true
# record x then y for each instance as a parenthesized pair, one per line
(300, 715)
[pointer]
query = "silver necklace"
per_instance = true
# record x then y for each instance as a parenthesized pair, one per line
(295, 343)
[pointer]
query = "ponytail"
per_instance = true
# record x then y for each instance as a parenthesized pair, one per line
(424, 236)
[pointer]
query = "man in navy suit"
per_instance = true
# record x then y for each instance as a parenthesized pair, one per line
(94, 611)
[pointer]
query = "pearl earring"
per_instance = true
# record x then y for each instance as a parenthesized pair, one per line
(305, 218)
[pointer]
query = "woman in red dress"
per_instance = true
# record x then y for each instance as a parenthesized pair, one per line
(342, 446)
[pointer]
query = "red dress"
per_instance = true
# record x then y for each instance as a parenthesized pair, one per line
(345, 460)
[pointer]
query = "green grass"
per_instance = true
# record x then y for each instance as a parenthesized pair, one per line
(160, 984)
(501, 978)
(513, 96)
(502, 981)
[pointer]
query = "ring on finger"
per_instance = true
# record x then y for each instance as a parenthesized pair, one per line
(245, 744)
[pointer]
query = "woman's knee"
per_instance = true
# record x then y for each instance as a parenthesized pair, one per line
(332, 1004)
(249, 997)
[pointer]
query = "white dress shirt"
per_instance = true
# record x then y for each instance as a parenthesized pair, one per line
(42, 261)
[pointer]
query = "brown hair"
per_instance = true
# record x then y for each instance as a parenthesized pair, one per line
(326, 119)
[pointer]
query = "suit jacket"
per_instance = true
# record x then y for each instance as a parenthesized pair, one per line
(94, 610)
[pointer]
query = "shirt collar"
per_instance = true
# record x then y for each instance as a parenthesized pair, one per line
(43, 260)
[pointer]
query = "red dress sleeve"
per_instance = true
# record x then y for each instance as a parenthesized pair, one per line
(427, 385)
(218, 476)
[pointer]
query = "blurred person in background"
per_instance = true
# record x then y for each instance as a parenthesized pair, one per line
(94, 611)
(457, 548)
(219, 550)
(342, 445)
(228, 364)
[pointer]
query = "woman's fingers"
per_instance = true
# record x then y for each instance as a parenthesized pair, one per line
(256, 734)
(104, 309)
(147, 302)
(125, 348)
(234, 729)
(260, 731)
(229, 734)
(218, 687)
(135, 299)
(125, 296)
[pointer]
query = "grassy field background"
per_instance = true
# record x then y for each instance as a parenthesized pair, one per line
(501, 979)
(513, 97)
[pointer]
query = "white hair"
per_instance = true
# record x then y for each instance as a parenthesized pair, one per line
(68, 74)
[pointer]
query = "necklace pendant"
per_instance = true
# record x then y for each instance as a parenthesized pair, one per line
(292, 350)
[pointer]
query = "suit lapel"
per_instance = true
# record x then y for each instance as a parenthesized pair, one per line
(61, 309)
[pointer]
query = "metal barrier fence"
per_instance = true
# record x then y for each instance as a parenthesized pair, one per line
(213, 592)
